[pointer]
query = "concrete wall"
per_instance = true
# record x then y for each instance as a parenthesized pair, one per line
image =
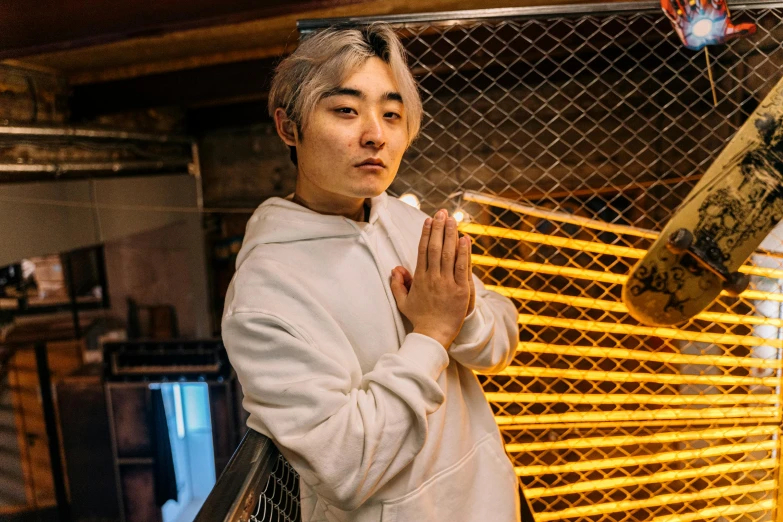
(150, 226)
(164, 266)
(50, 217)
(45, 218)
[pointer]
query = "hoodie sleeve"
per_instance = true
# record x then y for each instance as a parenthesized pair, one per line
(488, 339)
(347, 435)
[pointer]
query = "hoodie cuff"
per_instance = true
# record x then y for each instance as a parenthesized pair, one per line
(471, 327)
(426, 353)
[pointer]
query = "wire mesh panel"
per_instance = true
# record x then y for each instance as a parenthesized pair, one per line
(567, 142)
(279, 502)
(257, 485)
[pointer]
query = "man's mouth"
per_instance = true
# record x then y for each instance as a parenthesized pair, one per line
(371, 162)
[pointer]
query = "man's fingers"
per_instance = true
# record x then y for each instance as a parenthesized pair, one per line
(398, 289)
(463, 259)
(470, 260)
(424, 241)
(470, 257)
(435, 248)
(407, 278)
(449, 246)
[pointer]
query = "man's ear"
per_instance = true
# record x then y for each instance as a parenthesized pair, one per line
(286, 128)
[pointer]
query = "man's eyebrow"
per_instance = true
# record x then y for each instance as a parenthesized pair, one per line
(394, 96)
(344, 91)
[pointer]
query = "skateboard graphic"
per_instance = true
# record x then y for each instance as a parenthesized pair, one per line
(717, 227)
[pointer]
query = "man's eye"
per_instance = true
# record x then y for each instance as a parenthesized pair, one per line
(393, 115)
(345, 110)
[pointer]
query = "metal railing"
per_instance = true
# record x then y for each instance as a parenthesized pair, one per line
(65, 152)
(257, 485)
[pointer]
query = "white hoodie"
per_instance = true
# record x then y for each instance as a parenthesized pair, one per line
(380, 423)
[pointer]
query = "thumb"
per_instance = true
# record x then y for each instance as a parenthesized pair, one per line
(398, 289)
(407, 278)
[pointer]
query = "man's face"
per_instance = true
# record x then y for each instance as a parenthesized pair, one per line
(353, 142)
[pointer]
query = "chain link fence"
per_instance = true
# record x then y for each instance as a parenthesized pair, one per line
(567, 140)
(279, 502)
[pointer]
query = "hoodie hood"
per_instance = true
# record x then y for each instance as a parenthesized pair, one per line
(280, 220)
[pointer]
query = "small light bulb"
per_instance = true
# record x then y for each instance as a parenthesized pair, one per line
(459, 216)
(702, 28)
(411, 200)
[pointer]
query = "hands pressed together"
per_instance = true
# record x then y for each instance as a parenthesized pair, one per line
(440, 294)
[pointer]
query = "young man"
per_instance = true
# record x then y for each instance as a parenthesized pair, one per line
(353, 321)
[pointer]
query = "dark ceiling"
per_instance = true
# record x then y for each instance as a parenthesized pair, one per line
(28, 28)
(213, 58)
(205, 92)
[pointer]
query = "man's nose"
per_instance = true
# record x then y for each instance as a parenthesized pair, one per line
(372, 132)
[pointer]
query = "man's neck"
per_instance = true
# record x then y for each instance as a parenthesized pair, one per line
(356, 213)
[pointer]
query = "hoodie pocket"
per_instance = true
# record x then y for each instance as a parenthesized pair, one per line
(478, 487)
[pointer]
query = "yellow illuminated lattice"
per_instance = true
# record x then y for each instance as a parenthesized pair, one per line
(681, 422)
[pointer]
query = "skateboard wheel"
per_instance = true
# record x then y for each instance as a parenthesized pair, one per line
(680, 241)
(737, 283)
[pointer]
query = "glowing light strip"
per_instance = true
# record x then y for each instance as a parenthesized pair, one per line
(660, 500)
(563, 217)
(554, 215)
(587, 246)
(719, 511)
(544, 239)
(627, 440)
(643, 460)
(630, 398)
(639, 415)
(593, 275)
(675, 423)
(758, 295)
(627, 329)
(772, 273)
(657, 478)
(598, 375)
(640, 355)
(616, 306)
(535, 295)
(579, 273)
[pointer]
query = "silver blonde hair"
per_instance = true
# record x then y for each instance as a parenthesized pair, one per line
(323, 60)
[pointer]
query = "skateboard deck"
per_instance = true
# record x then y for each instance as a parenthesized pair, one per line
(738, 201)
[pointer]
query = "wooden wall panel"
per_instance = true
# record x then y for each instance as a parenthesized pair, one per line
(64, 358)
(138, 493)
(130, 406)
(87, 443)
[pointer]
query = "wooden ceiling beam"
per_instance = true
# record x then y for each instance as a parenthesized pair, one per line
(29, 28)
(251, 40)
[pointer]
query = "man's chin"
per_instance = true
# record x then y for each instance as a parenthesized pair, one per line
(372, 194)
(371, 191)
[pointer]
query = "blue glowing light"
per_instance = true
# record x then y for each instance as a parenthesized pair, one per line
(704, 30)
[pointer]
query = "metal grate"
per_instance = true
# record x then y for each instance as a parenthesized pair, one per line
(279, 501)
(608, 119)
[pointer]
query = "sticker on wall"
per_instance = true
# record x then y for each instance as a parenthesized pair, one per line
(700, 23)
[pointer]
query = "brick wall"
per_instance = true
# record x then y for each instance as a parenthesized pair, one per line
(28, 96)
